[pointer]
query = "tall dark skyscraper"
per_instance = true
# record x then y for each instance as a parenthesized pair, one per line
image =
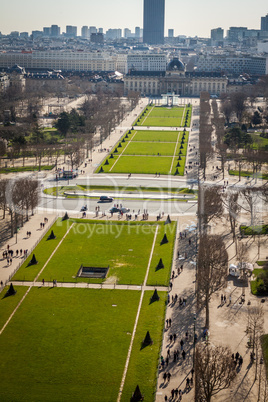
(153, 21)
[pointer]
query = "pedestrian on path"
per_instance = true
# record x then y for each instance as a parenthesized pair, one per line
(181, 343)
(183, 354)
(169, 322)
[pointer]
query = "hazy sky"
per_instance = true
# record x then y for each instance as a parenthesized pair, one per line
(195, 17)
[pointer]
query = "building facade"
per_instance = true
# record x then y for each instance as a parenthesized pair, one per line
(175, 80)
(233, 64)
(153, 21)
(146, 62)
(66, 60)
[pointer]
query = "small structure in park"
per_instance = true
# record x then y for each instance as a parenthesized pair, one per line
(65, 217)
(154, 297)
(137, 396)
(92, 272)
(164, 240)
(51, 236)
(33, 261)
(11, 291)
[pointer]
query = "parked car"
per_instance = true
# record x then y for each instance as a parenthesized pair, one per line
(105, 198)
(84, 208)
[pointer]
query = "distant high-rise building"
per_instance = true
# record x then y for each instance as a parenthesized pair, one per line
(153, 21)
(96, 38)
(100, 30)
(24, 35)
(171, 33)
(71, 31)
(236, 34)
(14, 34)
(114, 34)
(127, 33)
(264, 23)
(37, 34)
(85, 32)
(137, 32)
(55, 30)
(217, 34)
(47, 31)
(92, 30)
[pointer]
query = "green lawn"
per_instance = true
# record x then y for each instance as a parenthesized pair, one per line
(42, 252)
(142, 165)
(143, 363)
(25, 169)
(160, 116)
(68, 345)
(125, 248)
(164, 251)
(150, 148)
(160, 136)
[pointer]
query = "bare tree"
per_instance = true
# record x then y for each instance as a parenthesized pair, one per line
(255, 330)
(211, 269)
(214, 371)
(209, 205)
(233, 208)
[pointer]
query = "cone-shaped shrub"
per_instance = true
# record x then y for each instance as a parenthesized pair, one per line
(168, 220)
(111, 156)
(65, 217)
(33, 260)
(106, 162)
(177, 172)
(51, 236)
(11, 291)
(119, 145)
(137, 396)
(147, 340)
(123, 140)
(178, 164)
(165, 239)
(155, 296)
(115, 150)
(160, 264)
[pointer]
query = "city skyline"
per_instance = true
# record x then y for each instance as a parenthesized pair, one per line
(30, 16)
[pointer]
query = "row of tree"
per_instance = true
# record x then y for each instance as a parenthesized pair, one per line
(18, 197)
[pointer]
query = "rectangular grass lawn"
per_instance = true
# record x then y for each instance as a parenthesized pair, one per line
(163, 111)
(150, 148)
(124, 248)
(143, 164)
(143, 363)
(42, 252)
(162, 121)
(160, 136)
(67, 345)
(161, 276)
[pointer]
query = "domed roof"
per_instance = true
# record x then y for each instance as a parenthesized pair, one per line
(176, 65)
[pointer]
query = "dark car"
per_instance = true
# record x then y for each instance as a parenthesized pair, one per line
(105, 198)
(83, 209)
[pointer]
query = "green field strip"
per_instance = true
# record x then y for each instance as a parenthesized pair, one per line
(42, 252)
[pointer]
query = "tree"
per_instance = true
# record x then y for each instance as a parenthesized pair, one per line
(226, 109)
(238, 103)
(63, 124)
(255, 329)
(209, 205)
(214, 371)
(233, 208)
(211, 269)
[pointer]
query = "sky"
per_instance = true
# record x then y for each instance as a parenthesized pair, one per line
(191, 18)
